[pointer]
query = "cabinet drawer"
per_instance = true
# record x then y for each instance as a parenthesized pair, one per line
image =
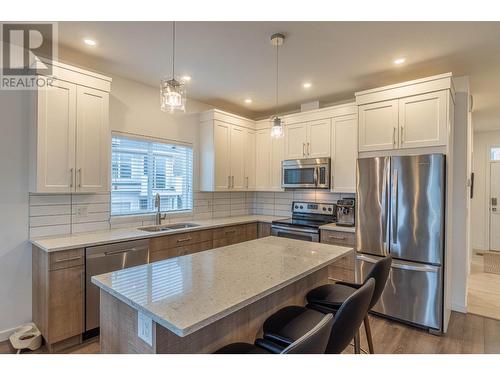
(337, 238)
(340, 274)
(230, 231)
(65, 259)
(193, 248)
(251, 231)
(183, 239)
(264, 230)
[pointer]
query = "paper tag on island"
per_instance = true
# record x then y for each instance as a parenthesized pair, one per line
(145, 328)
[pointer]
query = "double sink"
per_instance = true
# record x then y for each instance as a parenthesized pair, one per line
(168, 227)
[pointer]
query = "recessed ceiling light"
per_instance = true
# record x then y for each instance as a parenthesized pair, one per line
(89, 42)
(399, 61)
(248, 100)
(186, 78)
(307, 85)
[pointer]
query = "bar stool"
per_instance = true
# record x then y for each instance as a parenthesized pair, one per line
(313, 341)
(283, 327)
(328, 298)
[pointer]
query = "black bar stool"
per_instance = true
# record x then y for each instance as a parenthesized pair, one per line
(328, 298)
(283, 327)
(313, 341)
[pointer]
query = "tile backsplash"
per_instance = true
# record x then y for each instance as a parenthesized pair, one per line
(56, 214)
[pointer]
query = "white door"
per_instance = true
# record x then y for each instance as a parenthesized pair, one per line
(495, 206)
(423, 120)
(318, 139)
(222, 153)
(378, 126)
(250, 157)
(92, 140)
(344, 154)
(296, 141)
(277, 155)
(263, 159)
(56, 123)
(237, 158)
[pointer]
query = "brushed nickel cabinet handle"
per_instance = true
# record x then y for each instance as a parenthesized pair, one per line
(71, 177)
(394, 136)
(402, 134)
(184, 239)
(337, 237)
(79, 177)
(232, 182)
(308, 149)
(229, 182)
(230, 231)
(67, 259)
(248, 182)
(303, 149)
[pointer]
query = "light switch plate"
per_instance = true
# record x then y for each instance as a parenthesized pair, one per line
(145, 328)
(81, 211)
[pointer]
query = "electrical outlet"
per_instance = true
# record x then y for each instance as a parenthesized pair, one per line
(81, 211)
(145, 328)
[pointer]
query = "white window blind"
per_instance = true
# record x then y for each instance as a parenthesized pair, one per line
(143, 168)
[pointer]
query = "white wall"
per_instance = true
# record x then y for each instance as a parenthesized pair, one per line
(15, 251)
(480, 205)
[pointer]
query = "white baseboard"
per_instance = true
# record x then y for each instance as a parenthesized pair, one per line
(459, 308)
(5, 334)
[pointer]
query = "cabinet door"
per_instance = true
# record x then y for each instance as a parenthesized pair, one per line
(423, 120)
(263, 159)
(318, 139)
(92, 140)
(344, 154)
(250, 158)
(222, 147)
(65, 303)
(296, 141)
(56, 123)
(378, 126)
(277, 155)
(237, 158)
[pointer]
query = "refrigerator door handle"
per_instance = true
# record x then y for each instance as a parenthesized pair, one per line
(394, 208)
(385, 204)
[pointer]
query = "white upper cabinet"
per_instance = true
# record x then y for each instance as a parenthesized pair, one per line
(308, 140)
(277, 156)
(423, 120)
(92, 140)
(378, 126)
(263, 159)
(222, 146)
(237, 158)
(344, 153)
(250, 159)
(70, 136)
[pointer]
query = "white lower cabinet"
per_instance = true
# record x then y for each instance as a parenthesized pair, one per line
(344, 153)
(69, 135)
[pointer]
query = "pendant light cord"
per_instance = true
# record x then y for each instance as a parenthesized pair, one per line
(173, 50)
(277, 77)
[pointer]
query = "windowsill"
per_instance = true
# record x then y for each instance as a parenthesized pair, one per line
(117, 219)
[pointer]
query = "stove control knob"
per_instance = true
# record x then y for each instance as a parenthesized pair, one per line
(329, 209)
(324, 208)
(301, 207)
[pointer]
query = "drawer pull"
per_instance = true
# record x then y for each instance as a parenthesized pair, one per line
(230, 231)
(184, 239)
(67, 259)
(337, 237)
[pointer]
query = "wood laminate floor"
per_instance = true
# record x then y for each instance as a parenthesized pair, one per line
(483, 296)
(467, 334)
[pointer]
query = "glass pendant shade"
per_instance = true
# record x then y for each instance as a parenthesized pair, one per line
(277, 127)
(172, 96)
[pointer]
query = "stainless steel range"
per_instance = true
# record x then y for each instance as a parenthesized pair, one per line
(306, 219)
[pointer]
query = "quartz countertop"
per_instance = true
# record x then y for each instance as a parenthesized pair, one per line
(338, 228)
(73, 241)
(187, 293)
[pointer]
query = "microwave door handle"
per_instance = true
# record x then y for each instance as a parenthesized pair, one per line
(316, 176)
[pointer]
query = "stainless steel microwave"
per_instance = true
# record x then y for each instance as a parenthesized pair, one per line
(306, 173)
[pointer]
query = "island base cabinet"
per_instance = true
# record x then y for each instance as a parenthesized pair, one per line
(343, 268)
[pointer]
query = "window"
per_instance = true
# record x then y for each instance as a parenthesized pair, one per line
(495, 153)
(142, 168)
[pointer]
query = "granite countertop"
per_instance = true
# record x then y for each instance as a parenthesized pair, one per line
(187, 293)
(73, 241)
(338, 228)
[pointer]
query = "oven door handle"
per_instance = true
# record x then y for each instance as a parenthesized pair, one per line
(294, 229)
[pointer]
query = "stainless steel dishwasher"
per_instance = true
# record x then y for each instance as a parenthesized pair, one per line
(107, 258)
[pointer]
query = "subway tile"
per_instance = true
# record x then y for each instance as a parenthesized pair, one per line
(219, 214)
(131, 224)
(93, 207)
(237, 195)
(282, 213)
(91, 217)
(89, 227)
(202, 209)
(304, 195)
(90, 198)
(222, 195)
(266, 212)
(221, 201)
(203, 216)
(203, 195)
(263, 195)
(238, 200)
(47, 200)
(239, 212)
(41, 221)
(64, 209)
(53, 230)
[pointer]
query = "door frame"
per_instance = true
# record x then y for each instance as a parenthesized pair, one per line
(487, 197)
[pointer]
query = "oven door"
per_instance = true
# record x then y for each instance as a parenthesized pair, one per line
(303, 234)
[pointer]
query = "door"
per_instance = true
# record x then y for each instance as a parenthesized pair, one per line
(250, 157)
(92, 140)
(222, 155)
(318, 139)
(412, 293)
(237, 158)
(263, 159)
(277, 153)
(494, 207)
(417, 208)
(296, 141)
(56, 124)
(378, 126)
(372, 193)
(344, 154)
(423, 120)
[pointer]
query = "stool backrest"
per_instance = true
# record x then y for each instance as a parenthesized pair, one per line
(380, 273)
(314, 341)
(349, 317)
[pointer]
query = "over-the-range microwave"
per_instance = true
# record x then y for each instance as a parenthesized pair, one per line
(306, 173)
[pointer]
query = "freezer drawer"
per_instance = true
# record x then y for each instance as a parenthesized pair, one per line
(412, 293)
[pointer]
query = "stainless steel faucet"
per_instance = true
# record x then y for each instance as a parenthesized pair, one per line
(159, 216)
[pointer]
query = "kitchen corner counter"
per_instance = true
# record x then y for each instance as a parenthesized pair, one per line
(338, 228)
(73, 241)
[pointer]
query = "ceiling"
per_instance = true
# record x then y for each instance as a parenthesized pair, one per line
(232, 61)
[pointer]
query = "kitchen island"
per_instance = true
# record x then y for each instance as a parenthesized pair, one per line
(201, 302)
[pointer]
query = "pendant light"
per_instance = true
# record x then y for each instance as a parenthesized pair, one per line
(172, 91)
(277, 123)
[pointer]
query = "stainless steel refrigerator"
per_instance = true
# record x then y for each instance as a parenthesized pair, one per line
(400, 211)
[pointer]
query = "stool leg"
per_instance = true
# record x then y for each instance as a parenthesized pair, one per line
(369, 334)
(357, 345)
